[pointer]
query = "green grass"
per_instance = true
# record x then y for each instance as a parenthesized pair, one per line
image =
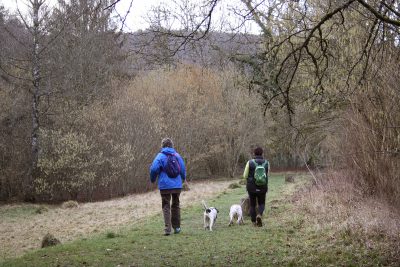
(22, 211)
(287, 239)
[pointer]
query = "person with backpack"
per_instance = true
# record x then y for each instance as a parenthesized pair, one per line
(169, 168)
(256, 172)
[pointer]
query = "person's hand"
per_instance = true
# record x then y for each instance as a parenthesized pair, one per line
(185, 186)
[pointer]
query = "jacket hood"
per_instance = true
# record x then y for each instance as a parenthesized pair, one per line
(168, 150)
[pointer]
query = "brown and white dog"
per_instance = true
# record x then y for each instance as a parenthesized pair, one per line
(210, 216)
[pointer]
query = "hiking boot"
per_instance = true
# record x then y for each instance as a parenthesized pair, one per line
(258, 221)
(177, 230)
(167, 233)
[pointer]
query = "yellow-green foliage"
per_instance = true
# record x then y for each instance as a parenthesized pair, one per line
(72, 162)
(68, 162)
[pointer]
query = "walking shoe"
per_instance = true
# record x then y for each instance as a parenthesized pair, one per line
(177, 230)
(258, 221)
(167, 233)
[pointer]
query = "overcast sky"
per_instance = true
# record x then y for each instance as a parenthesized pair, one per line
(134, 21)
(140, 8)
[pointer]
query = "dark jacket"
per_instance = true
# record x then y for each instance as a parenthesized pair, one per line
(249, 175)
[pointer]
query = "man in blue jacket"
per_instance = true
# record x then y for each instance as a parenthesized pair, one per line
(170, 187)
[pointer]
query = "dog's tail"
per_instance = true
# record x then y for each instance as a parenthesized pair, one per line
(241, 203)
(204, 204)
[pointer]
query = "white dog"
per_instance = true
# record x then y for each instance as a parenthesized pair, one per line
(236, 213)
(210, 216)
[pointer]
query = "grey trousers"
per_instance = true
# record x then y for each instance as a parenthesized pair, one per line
(171, 211)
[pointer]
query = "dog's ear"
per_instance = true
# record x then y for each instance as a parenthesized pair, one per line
(208, 210)
(217, 210)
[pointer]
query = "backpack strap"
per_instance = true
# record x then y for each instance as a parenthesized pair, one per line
(265, 163)
(254, 162)
(262, 164)
(169, 154)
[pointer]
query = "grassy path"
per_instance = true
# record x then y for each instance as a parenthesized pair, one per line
(285, 240)
(22, 227)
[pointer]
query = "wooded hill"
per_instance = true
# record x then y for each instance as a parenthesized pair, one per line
(85, 105)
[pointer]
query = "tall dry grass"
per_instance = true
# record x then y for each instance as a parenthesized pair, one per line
(359, 198)
(337, 207)
(337, 202)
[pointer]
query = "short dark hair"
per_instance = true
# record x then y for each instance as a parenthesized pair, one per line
(167, 142)
(258, 151)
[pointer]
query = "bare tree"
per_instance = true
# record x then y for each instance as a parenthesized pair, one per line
(36, 79)
(37, 57)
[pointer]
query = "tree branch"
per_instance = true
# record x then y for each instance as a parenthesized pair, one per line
(379, 15)
(111, 5)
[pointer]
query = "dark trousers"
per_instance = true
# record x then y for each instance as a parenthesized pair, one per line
(171, 212)
(256, 198)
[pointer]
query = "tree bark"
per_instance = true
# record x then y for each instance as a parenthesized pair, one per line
(36, 4)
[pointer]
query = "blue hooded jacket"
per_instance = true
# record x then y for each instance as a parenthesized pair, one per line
(156, 169)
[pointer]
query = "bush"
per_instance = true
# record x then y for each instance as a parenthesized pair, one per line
(70, 204)
(289, 179)
(111, 235)
(49, 240)
(69, 163)
(233, 186)
(41, 209)
(243, 182)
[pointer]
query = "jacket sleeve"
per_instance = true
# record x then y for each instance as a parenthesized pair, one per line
(183, 168)
(155, 168)
(246, 171)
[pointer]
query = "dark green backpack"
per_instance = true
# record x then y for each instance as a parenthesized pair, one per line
(260, 173)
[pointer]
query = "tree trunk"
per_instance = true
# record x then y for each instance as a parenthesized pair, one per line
(36, 4)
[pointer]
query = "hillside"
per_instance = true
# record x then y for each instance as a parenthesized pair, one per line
(150, 50)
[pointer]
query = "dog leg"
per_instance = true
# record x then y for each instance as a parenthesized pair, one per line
(239, 218)
(211, 223)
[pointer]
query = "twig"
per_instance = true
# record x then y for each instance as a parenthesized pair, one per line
(310, 171)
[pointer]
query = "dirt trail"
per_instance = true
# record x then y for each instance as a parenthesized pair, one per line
(19, 234)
